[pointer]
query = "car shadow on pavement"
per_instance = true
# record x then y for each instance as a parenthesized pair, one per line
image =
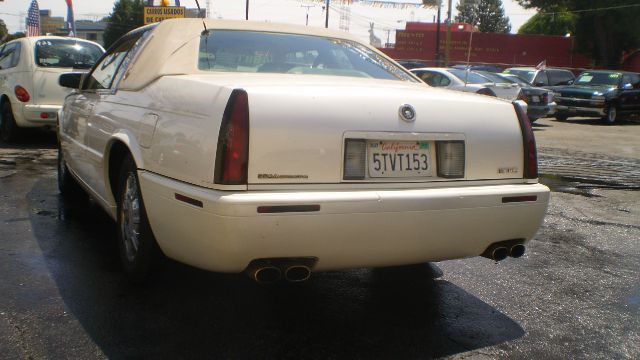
(404, 312)
(33, 139)
(625, 121)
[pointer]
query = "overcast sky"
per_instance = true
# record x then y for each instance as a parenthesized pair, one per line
(385, 20)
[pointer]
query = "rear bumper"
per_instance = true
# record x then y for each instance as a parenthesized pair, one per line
(540, 111)
(350, 229)
(33, 114)
(580, 111)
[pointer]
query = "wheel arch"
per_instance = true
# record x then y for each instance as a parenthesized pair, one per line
(118, 147)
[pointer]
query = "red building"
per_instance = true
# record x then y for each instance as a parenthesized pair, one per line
(418, 40)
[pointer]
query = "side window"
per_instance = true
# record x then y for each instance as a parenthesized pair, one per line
(16, 55)
(559, 77)
(443, 81)
(138, 44)
(428, 78)
(6, 58)
(103, 74)
(541, 78)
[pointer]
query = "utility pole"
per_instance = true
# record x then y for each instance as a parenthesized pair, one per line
(438, 35)
(448, 41)
(246, 17)
(388, 30)
(326, 19)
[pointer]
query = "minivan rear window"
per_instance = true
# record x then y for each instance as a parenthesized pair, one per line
(67, 53)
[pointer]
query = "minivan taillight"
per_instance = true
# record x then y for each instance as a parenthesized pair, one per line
(21, 93)
(529, 143)
(232, 156)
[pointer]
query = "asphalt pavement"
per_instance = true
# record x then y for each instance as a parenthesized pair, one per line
(575, 293)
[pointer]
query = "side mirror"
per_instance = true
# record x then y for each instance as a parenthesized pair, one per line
(569, 82)
(539, 83)
(70, 80)
(627, 86)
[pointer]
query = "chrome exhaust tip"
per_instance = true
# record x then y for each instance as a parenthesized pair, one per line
(267, 275)
(499, 253)
(517, 251)
(297, 273)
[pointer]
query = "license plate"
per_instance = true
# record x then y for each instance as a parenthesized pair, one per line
(535, 98)
(399, 158)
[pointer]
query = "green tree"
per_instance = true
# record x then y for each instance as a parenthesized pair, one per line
(125, 16)
(558, 23)
(4, 33)
(603, 29)
(487, 15)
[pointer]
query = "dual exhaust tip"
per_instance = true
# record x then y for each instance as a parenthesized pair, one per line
(500, 251)
(273, 274)
(269, 271)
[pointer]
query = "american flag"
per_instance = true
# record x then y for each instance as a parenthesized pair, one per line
(33, 19)
(71, 24)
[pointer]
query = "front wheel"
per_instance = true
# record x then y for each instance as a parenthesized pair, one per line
(562, 117)
(8, 127)
(137, 245)
(612, 115)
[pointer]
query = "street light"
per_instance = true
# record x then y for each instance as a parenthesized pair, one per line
(307, 8)
(466, 73)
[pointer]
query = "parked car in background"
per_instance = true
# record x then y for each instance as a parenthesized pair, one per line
(467, 81)
(539, 100)
(29, 69)
(607, 94)
(548, 77)
(411, 64)
(278, 150)
(479, 67)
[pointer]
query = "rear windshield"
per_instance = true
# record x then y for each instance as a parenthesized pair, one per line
(591, 78)
(263, 52)
(526, 75)
(469, 77)
(66, 53)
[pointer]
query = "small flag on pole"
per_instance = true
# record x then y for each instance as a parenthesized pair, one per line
(33, 19)
(71, 24)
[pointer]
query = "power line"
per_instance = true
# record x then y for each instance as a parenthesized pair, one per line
(584, 10)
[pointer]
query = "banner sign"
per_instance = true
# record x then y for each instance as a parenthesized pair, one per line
(153, 14)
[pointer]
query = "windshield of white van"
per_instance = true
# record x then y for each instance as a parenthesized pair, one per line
(66, 53)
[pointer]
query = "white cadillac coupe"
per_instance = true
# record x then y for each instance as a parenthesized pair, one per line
(280, 150)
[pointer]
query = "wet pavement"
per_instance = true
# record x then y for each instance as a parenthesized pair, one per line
(575, 294)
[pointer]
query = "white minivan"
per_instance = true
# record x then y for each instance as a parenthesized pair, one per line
(29, 69)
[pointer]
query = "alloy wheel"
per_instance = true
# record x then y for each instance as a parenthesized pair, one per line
(130, 215)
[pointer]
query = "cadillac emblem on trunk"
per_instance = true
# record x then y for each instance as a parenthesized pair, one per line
(407, 113)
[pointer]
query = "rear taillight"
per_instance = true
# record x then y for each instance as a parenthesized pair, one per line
(545, 98)
(450, 155)
(232, 156)
(22, 94)
(529, 143)
(523, 97)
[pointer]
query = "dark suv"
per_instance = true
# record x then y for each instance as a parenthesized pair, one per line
(607, 94)
(542, 78)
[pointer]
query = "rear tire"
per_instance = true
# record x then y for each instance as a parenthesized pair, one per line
(612, 115)
(138, 249)
(67, 184)
(8, 127)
